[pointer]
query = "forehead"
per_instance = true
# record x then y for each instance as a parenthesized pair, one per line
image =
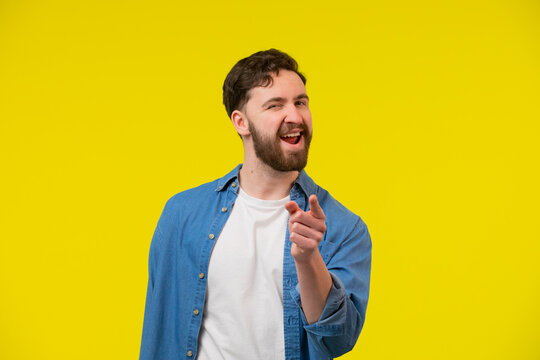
(287, 84)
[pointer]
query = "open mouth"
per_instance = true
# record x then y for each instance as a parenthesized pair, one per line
(292, 138)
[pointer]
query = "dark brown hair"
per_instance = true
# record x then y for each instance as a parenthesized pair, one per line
(255, 70)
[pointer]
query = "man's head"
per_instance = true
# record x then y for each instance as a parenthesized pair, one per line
(265, 97)
(255, 70)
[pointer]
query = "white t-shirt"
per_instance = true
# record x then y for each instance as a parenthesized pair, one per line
(243, 312)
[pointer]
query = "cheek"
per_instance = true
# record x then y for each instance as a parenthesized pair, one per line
(307, 118)
(275, 124)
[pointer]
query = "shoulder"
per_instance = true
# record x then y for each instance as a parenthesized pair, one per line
(333, 205)
(201, 195)
(337, 215)
(191, 198)
(341, 222)
(189, 195)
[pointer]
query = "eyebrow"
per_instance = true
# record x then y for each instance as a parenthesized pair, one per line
(280, 99)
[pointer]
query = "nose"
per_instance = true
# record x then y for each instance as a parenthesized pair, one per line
(293, 115)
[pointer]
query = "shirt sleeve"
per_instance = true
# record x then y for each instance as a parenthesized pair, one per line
(151, 321)
(342, 318)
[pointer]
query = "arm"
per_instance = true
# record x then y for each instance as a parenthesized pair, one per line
(148, 339)
(315, 283)
(348, 261)
(306, 231)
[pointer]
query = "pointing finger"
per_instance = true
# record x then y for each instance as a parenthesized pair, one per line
(315, 208)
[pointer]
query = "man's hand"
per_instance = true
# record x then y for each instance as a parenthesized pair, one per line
(306, 229)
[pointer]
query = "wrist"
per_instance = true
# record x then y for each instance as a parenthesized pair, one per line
(305, 257)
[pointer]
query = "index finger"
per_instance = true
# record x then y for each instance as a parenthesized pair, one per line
(315, 208)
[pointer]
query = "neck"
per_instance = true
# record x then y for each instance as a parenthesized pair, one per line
(262, 182)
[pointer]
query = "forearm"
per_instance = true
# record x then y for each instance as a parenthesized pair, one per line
(315, 283)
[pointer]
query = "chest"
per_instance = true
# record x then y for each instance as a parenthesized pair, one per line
(250, 249)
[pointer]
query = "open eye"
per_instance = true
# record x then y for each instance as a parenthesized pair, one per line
(300, 103)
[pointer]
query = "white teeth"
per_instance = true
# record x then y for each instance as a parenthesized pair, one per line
(292, 135)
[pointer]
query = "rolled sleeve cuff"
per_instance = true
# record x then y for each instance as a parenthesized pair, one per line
(332, 319)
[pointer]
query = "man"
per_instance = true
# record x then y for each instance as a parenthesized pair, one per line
(261, 263)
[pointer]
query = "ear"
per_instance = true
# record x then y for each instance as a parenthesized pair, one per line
(240, 122)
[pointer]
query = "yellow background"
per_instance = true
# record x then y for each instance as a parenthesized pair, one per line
(425, 124)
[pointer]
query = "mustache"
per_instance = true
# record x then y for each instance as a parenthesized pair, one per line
(285, 128)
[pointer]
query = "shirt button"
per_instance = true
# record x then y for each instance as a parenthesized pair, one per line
(201, 275)
(233, 184)
(224, 209)
(190, 353)
(211, 236)
(196, 312)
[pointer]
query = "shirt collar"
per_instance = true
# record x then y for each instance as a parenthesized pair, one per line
(303, 181)
(227, 179)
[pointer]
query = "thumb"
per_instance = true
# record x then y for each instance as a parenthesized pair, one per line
(292, 207)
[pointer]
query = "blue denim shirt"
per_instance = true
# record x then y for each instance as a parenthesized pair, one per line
(178, 263)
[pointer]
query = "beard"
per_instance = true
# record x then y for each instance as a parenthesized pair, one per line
(269, 151)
